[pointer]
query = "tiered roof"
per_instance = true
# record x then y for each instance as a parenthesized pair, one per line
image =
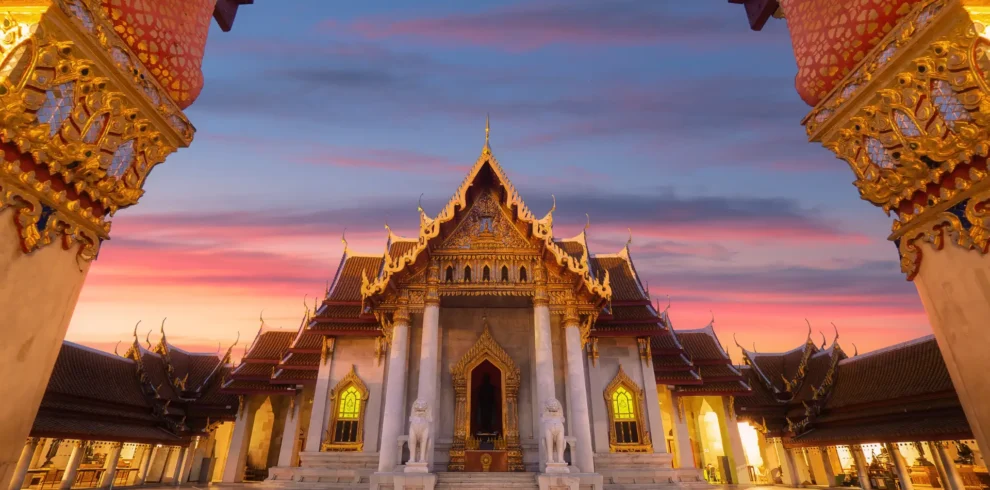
(900, 393)
(143, 396)
(692, 359)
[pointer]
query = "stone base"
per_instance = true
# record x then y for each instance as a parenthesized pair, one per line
(645, 470)
(572, 481)
(326, 468)
(417, 467)
(557, 468)
(403, 481)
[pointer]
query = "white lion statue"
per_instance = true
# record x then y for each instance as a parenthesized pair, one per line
(420, 431)
(553, 431)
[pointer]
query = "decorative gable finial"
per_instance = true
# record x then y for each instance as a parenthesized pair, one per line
(588, 223)
(629, 241)
(343, 239)
(488, 148)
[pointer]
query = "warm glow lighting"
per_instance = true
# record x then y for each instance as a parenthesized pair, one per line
(350, 404)
(713, 436)
(751, 444)
(622, 404)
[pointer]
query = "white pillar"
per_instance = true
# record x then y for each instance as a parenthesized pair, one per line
(145, 466)
(955, 481)
(788, 468)
(110, 466)
(233, 468)
(903, 473)
(321, 396)
(429, 356)
(733, 446)
(72, 466)
(861, 467)
(545, 386)
(290, 432)
(577, 390)
(180, 463)
(393, 419)
(23, 463)
(682, 436)
(658, 435)
(186, 463)
(829, 471)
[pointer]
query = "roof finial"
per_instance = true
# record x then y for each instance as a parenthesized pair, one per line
(809, 329)
(218, 348)
(855, 350)
(115, 348)
(162, 328)
(737, 342)
(487, 131)
(713, 317)
(588, 223)
(823, 339)
(554, 206)
(261, 317)
(419, 204)
(343, 239)
(668, 304)
(754, 347)
(387, 229)
(836, 339)
(147, 339)
(629, 241)
(135, 330)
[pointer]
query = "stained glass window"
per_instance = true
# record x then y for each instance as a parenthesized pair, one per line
(622, 404)
(350, 404)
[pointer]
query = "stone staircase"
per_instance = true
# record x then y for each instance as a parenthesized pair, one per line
(486, 481)
(642, 471)
(326, 470)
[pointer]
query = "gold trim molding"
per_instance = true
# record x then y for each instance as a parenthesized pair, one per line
(645, 444)
(351, 378)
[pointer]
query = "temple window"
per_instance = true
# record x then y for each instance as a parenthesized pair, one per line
(522, 274)
(486, 274)
(467, 273)
(450, 274)
(346, 428)
(627, 428)
(505, 273)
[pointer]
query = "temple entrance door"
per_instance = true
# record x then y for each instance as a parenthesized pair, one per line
(486, 412)
(486, 405)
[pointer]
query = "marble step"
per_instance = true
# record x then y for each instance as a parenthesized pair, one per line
(487, 481)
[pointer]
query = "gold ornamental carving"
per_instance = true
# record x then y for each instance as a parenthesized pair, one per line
(913, 123)
(83, 123)
(515, 213)
(485, 349)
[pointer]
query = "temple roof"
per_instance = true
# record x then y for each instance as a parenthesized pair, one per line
(902, 392)
(97, 395)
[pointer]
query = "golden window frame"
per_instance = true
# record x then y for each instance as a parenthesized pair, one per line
(351, 379)
(645, 445)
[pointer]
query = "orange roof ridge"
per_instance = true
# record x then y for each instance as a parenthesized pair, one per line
(95, 351)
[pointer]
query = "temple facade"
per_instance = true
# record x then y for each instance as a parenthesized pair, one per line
(485, 344)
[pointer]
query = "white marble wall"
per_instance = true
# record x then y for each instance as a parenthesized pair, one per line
(359, 353)
(612, 353)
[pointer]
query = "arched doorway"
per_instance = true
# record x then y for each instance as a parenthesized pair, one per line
(486, 414)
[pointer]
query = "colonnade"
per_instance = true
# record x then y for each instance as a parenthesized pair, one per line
(35, 466)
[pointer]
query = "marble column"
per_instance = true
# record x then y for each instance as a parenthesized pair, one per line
(682, 436)
(937, 461)
(186, 463)
(233, 468)
(545, 386)
(862, 469)
(788, 467)
(23, 463)
(394, 413)
(180, 461)
(732, 443)
(827, 468)
(146, 458)
(72, 466)
(318, 416)
(903, 472)
(577, 390)
(110, 466)
(429, 352)
(951, 473)
(290, 431)
(658, 435)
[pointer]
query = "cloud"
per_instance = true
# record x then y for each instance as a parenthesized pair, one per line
(532, 26)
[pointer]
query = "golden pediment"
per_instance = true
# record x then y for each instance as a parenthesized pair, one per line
(486, 227)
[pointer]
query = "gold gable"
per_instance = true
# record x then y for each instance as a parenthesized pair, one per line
(486, 227)
(514, 209)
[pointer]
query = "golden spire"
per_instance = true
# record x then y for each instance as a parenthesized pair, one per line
(487, 149)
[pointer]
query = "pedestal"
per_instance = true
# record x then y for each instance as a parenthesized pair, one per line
(557, 468)
(406, 481)
(556, 481)
(420, 467)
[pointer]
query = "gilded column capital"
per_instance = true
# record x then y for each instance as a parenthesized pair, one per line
(401, 315)
(571, 317)
(432, 296)
(84, 122)
(911, 122)
(326, 352)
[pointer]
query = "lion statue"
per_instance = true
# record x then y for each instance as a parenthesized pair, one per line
(420, 431)
(553, 431)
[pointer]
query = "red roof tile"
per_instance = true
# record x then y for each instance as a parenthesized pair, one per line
(700, 345)
(270, 345)
(302, 361)
(401, 247)
(347, 284)
(87, 373)
(54, 425)
(719, 387)
(309, 341)
(625, 286)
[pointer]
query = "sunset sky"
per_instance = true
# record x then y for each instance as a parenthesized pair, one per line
(669, 118)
